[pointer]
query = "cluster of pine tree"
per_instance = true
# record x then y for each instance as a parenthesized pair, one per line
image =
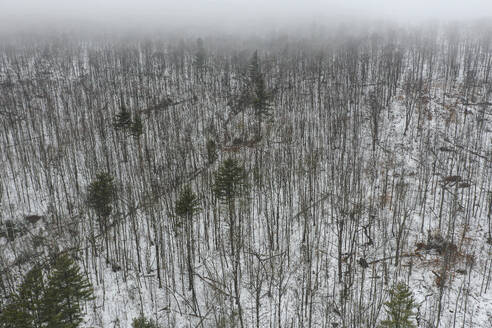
(123, 121)
(52, 300)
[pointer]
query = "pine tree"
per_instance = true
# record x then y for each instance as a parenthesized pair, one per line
(67, 289)
(25, 308)
(187, 204)
(261, 97)
(123, 120)
(200, 57)
(101, 193)
(54, 305)
(13, 317)
(230, 183)
(399, 308)
(230, 180)
(143, 322)
(254, 67)
(211, 151)
(136, 129)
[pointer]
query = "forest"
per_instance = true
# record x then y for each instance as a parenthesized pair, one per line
(316, 180)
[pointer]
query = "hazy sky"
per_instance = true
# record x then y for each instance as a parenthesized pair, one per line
(21, 13)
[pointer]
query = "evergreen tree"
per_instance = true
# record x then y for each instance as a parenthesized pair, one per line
(136, 128)
(101, 193)
(230, 183)
(13, 317)
(211, 151)
(187, 204)
(230, 180)
(200, 56)
(261, 97)
(254, 68)
(123, 120)
(25, 308)
(399, 308)
(67, 289)
(142, 322)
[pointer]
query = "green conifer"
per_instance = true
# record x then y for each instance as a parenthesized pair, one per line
(142, 322)
(200, 55)
(187, 204)
(211, 151)
(67, 289)
(399, 308)
(230, 180)
(101, 193)
(260, 95)
(136, 129)
(25, 308)
(123, 120)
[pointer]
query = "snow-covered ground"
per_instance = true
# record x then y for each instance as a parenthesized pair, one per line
(320, 200)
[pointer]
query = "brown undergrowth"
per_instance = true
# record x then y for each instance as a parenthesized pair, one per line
(443, 257)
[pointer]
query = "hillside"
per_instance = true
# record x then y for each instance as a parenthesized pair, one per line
(367, 159)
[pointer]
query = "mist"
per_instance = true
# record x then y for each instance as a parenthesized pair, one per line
(226, 15)
(246, 163)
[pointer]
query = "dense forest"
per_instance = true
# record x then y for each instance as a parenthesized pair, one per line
(315, 180)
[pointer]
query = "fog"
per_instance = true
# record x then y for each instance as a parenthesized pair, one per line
(230, 14)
